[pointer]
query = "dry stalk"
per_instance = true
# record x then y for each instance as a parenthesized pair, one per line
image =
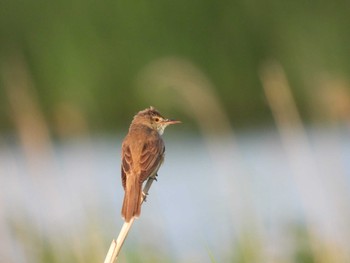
(116, 245)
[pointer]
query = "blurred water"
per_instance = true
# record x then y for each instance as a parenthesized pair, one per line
(204, 198)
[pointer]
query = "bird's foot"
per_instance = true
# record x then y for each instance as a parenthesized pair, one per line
(154, 177)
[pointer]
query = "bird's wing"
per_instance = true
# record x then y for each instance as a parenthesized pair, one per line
(151, 157)
(126, 162)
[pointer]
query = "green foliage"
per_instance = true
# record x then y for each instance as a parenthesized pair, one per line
(88, 53)
(302, 245)
(39, 247)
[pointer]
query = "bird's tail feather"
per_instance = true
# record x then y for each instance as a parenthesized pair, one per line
(132, 199)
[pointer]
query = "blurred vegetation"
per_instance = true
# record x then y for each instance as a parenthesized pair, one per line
(71, 67)
(35, 246)
(88, 53)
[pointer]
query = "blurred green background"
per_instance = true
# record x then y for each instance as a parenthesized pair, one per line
(88, 53)
(274, 73)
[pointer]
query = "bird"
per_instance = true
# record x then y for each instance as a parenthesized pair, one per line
(142, 154)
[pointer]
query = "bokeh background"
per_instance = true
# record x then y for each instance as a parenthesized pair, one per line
(258, 171)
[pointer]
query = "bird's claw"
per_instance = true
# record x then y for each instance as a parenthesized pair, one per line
(155, 177)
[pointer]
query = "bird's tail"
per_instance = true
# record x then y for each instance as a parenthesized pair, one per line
(132, 199)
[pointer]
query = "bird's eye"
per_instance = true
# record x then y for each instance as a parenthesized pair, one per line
(156, 119)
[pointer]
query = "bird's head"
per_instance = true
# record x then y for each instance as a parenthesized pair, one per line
(153, 119)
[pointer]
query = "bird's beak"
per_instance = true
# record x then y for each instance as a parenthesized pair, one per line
(169, 121)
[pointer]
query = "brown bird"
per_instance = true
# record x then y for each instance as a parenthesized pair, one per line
(142, 155)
